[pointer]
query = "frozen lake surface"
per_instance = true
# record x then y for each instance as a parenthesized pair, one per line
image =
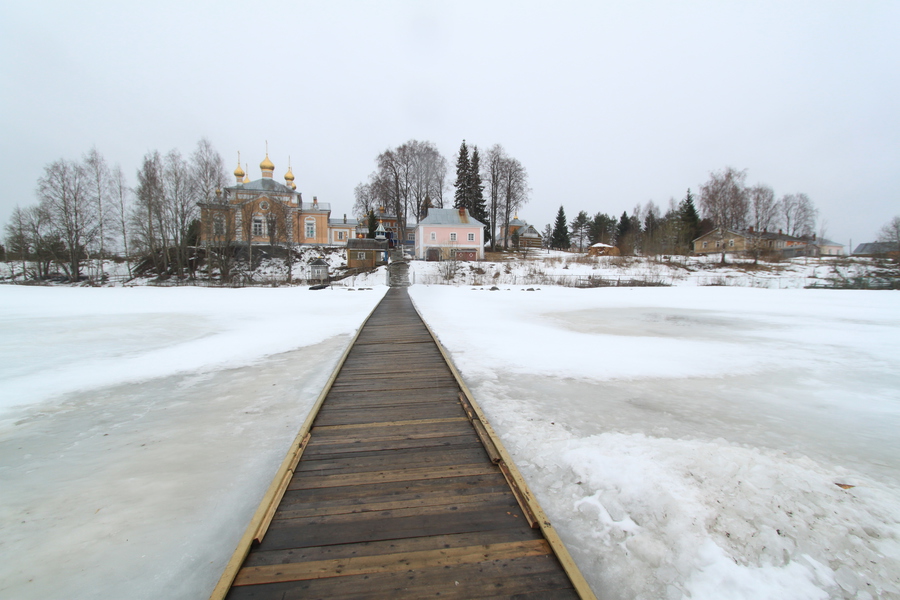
(687, 442)
(141, 428)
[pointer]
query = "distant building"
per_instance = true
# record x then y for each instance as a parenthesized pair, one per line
(449, 233)
(265, 211)
(600, 249)
(366, 253)
(528, 235)
(764, 242)
(877, 249)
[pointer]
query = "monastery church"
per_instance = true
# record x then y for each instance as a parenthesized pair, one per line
(265, 211)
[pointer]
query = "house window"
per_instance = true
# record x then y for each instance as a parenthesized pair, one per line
(471, 237)
(731, 243)
(453, 236)
(718, 244)
(433, 236)
(219, 225)
(258, 226)
(704, 244)
(264, 205)
(360, 256)
(310, 228)
(340, 236)
(411, 237)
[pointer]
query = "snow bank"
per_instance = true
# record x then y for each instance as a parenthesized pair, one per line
(142, 427)
(687, 442)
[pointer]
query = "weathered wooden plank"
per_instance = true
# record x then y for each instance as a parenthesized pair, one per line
(456, 540)
(394, 524)
(421, 411)
(403, 459)
(535, 576)
(363, 447)
(417, 474)
(392, 489)
(387, 563)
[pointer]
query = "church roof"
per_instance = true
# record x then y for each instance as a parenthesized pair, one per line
(264, 185)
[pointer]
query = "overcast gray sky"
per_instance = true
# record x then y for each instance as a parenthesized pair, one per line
(606, 104)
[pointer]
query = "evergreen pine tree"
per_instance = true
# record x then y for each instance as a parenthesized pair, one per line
(689, 228)
(560, 238)
(624, 238)
(461, 196)
(372, 224)
(477, 206)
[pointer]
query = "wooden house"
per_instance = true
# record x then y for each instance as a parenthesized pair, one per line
(366, 253)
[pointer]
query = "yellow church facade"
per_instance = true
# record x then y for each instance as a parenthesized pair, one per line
(266, 211)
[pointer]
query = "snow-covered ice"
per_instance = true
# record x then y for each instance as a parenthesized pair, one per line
(688, 442)
(685, 441)
(140, 428)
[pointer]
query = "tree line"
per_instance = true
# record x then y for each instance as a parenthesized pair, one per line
(725, 202)
(413, 177)
(86, 210)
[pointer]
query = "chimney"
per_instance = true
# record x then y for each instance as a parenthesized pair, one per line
(780, 232)
(462, 212)
(751, 229)
(345, 218)
(315, 201)
(814, 237)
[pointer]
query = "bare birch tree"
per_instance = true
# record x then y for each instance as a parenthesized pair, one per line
(799, 215)
(724, 201)
(98, 177)
(64, 193)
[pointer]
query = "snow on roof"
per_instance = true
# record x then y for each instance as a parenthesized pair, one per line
(599, 245)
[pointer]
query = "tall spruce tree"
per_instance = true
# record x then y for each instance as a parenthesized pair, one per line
(560, 238)
(477, 206)
(462, 185)
(689, 223)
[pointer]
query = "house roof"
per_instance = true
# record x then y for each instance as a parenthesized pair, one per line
(319, 262)
(449, 216)
(601, 245)
(875, 248)
(339, 222)
(366, 244)
(310, 207)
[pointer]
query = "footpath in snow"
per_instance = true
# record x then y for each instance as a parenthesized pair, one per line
(697, 442)
(140, 427)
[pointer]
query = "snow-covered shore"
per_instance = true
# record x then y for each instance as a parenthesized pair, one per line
(688, 442)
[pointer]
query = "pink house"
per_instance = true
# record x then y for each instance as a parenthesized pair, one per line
(449, 233)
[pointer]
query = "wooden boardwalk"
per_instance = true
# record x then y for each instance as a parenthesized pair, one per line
(396, 495)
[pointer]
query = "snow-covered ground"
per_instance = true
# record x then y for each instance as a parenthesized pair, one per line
(139, 428)
(689, 442)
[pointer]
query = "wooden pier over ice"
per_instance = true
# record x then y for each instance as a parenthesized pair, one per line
(396, 487)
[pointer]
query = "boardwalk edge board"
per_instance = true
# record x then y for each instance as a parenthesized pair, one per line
(517, 483)
(266, 509)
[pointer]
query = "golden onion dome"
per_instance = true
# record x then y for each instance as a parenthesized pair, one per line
(266, 164)
(239, 172)
(293, 186)
(289, 176)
